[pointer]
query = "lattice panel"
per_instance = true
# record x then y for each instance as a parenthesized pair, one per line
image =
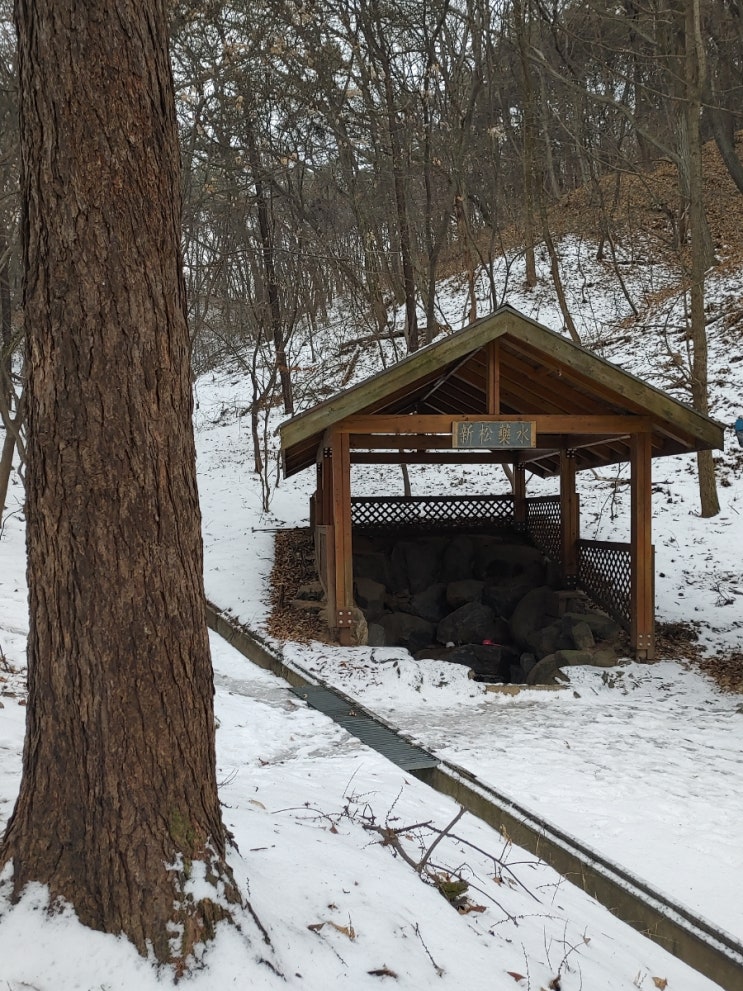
(431, 512)
(543, 524)
(605, 572)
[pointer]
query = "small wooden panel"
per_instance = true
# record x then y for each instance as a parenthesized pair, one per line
(499, 435)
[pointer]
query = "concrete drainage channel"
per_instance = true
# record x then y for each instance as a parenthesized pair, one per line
(708, 950)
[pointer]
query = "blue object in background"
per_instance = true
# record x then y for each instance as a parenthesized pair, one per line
(739, 430)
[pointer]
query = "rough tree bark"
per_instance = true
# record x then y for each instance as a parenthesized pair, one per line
(700, 250)
(118, 798)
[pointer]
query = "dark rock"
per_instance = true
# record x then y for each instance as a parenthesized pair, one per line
(527, 662)
(572, 658)
(547, 640)
(496, 560)
(375, 635)
(430, 604)
(579, 632)
(370, 595)
(504, 596)
(537, 609)
(372, 565)
(415, 564)
(398, 570)
(405, 630)
(545, 671)
(604, 658)
(601, 625)
(517, 675)
(455, 655)
(471, 623)
(459, 593)
(458, 558)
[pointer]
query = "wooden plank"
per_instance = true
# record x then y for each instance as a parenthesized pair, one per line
(519, 495)
(342, 531)
(402, 375)
(642, 605)
(433, 457)
(608, 380)
(570, 527)
(442, 423)
(395, 442)
(492, 389)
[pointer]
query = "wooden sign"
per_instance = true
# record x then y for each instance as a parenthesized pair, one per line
(494, 434)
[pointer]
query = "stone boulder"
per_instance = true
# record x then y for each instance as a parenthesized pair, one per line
(504, 596)
(602, 626)
(461, 592)
(537, 609)
(405, 630)
(548, 640)
(471, 623)
(415, 564)
(579, 632)
(370, 596)
(372, 564)
(430, 604)
(458, 558)
(496, 560)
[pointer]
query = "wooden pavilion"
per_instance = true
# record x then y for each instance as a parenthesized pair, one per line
(504, 390)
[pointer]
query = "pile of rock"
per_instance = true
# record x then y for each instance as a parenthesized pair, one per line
(491, 603)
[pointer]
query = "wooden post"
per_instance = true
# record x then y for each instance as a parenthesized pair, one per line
(569, 523)
(342, 536)
(492, 388)
(519, 498)
(326, 493)
(642, 605)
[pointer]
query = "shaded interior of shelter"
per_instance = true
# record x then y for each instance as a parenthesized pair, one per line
(477, 591)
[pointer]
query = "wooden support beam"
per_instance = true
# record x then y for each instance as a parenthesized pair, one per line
(326, 470)
(342, 536)
(569, 518)
(395, 442)
(519, 496)
(478, 457)
(551, 424)
(642, 604)
(492, 389)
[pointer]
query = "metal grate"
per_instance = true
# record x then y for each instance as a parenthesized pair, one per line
(431, 512)
(366, 728)
(605, 573)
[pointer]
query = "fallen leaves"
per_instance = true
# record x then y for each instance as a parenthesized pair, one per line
(294, 565)
(348, 930)
(382, 972)
(660, 982)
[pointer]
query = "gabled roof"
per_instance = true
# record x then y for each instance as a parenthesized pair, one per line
(541, 373)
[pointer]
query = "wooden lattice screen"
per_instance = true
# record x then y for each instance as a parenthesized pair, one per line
(605, 572)
(543, 524)
(431, 512)
(604, 567)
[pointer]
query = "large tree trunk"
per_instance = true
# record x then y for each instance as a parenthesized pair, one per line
(700, 249)
(118, 797)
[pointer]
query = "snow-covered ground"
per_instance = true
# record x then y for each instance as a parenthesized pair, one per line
(643, 762)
